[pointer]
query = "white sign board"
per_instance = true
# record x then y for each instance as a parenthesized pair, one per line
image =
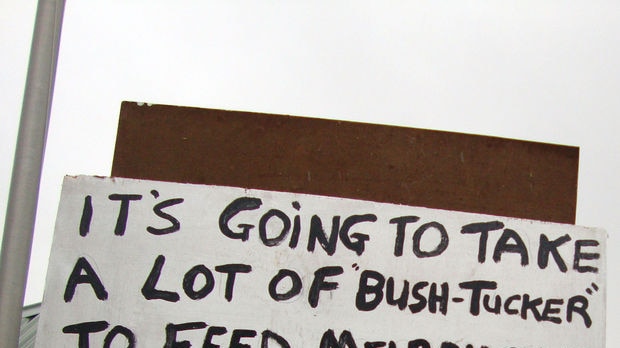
(153, 264)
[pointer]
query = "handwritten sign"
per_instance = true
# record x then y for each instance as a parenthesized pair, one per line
(153, 264)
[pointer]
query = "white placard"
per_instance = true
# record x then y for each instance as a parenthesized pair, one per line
(153, 264)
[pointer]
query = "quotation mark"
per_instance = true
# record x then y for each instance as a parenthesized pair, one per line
(356, 266)
(589, 290)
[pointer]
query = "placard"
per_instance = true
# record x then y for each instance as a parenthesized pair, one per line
(155, 264)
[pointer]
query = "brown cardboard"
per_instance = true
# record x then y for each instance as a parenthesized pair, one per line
(410, 166)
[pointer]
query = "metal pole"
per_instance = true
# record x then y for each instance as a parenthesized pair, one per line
(27, 165)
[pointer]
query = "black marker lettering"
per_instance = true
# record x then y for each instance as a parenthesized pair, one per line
(401, 224)
(83, 330)
(319, 283)
(585, 256)
(235, 207)
(329, 340)
(532, 306)
(401, 302)
(378, 344)
(365, 288)
(123, 331)
(486, 302)
(440, 248)
(295, 289)
(547, 247)
(158, 210)
(483, 228)
(213, 331)
(578, 304)
(87, 215)
(419, 343)
(476, 287)
(171, 333)
(448, 345)
(237, 335)
(262, 227)
(317, 233)
(415, 293)
(231, 270)
(441, 299)
(507, 308)
(296, 227)
(549, 309)
(269, 335)
(189, 281)
(148, 290)
(121, 221)
(89, 277)
(360, 239)
(517, 247)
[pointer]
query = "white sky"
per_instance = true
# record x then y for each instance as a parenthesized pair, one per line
(534, 70)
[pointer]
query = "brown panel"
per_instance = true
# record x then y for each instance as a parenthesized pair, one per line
(356, 160)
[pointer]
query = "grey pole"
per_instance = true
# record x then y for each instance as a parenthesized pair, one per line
(27, 165)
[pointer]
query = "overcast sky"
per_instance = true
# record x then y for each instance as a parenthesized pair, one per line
(533, 70)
